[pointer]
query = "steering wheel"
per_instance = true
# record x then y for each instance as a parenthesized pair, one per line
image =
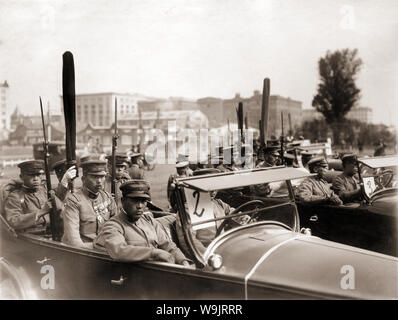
(227, 221)
(384, 179)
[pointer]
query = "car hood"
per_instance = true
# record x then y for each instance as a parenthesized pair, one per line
(277, 258)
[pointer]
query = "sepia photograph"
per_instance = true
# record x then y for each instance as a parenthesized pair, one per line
(198, 151)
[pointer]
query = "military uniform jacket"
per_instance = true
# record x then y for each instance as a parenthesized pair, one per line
(342, 184)
(136, 241)
(22, 205)
(84, 216)
(314, 189)
(136, 173)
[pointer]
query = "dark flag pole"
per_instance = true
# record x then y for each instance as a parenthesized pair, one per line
(69, 99)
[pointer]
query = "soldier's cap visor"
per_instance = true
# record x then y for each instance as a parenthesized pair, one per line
(135, 189)
(349, 158)
(318, 162)
(94, 167)
(137, 194)
(32, 167)
(182, 164)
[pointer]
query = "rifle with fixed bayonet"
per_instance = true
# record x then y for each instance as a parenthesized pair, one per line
(55, 220)
(282, 141)
(114, 147)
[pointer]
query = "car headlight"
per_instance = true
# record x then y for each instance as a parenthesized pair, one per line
(215, 261)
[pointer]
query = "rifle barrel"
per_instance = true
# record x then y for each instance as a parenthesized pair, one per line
(114, 146)
(54, 230)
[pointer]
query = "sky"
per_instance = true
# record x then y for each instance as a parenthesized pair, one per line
(196, 49)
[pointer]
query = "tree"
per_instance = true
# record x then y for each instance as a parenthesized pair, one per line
(337, 92)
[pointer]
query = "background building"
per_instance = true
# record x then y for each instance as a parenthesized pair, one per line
(172, 103)
(25, 135)
(4, 106)
(277, 106)
(362, 114)
(133, 128)
(98, 109)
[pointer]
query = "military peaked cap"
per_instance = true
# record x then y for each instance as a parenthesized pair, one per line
(94, 167)
(88, 157)
(349, 158)
(182, 161)
(136, 189)
(32, 167)
(318, 161)
(121, 159)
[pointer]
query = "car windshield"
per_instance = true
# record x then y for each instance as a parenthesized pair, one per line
(238, 206)
(211, 208)
(379, 173)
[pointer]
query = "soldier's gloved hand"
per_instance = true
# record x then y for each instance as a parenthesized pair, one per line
(69, 175)
(161, 255)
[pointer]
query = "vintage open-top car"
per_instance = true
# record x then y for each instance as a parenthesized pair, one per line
(370, 224)
(264, 256)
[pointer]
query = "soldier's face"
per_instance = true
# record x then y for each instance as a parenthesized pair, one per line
(93, 182)
(119, 171)
(134, 207)
(350, 169)
(182, 171)
(32, 180)
(321, 171)
(271, 159)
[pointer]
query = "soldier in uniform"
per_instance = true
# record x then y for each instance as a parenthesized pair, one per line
(135, 171)
(121, 176)
(28, 207)
(86, 210)
(133, 234)
(182, 167)
(271, 156)
(316, 189)
(346, 185)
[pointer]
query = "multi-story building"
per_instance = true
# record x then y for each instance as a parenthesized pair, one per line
(311, 114)
(277, 106)
(4, 104)
(25, 135)
(172, 103)
(362, 114)
(132, 128)
(213, 109)
(99, 108)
